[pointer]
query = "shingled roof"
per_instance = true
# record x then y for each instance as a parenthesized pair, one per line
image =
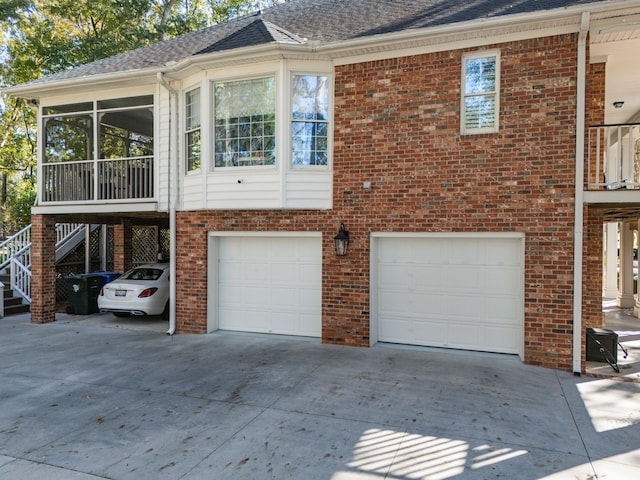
(314, 22)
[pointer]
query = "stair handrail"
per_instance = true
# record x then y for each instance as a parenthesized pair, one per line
(21, 279)
(13, 244)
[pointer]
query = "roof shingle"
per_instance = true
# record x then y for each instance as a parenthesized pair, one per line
(318, 21)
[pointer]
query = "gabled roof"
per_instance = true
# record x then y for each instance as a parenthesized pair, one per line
(312, 22)
(256, 33)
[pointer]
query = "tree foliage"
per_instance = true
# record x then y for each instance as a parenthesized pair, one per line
(42, 37)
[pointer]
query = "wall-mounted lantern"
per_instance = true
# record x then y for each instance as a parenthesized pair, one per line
(342, 241)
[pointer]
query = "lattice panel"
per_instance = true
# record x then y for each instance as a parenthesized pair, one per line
(145, 244)
(165, 243)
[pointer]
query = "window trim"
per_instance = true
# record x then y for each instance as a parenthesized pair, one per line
(464, 130)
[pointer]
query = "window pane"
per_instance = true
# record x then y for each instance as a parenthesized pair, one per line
(193, 109)
(310, 115)
(193, 150)
(310, 97)
(68, 138)
(75, 107)
(480, 75)
(480, 111)
(245, 123)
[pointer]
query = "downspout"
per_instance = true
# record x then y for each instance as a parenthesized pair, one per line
(173, 191)
(579, 194)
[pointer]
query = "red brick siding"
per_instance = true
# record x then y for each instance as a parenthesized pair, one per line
(122, 247)
(397, 124)
(43, 268)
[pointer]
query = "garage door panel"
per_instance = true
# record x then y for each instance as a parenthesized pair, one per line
(281, 272)
(256, 272)
(464, 335)
(454, 292)
(429, 304)
(463, 278)
(503, 309)
(391, 275)
(270, 284)
(427, 277)
(395, 303)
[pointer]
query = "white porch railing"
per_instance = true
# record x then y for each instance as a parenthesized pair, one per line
(12, 245)
(614, 157)
(98, 180)
(16, 253)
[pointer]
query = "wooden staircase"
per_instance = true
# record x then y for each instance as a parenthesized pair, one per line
(12, 304)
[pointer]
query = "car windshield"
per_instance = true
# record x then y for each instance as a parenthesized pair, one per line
(143, 274)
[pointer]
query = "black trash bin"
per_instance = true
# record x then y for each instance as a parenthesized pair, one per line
(608, 339)
(83, 291)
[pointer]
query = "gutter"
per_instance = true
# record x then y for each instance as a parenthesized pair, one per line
(173, 194)
(578, 234)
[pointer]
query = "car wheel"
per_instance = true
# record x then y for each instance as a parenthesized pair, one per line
(165, 312)
(121, 314)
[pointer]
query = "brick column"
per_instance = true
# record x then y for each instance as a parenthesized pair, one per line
(122, 246)
(43, 268)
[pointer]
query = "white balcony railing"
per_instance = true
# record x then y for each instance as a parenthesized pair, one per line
(98, 180)
(614, 157)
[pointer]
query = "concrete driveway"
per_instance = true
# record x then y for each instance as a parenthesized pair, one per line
(82, 400)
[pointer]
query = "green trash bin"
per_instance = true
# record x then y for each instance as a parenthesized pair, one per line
(83, 291)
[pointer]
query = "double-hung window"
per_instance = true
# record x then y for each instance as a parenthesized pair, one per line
(192, 129)
(245, 123)
(480, 101)
(309, 120)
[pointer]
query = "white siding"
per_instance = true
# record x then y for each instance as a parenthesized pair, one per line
(244, 189)
(306, 189)
(192, 196)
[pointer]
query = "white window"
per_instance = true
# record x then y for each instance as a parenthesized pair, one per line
(480, 101)
(192, 129)
(309, 120)
(245, 123)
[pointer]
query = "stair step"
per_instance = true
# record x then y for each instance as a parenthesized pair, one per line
(15, 309)
(11, 301)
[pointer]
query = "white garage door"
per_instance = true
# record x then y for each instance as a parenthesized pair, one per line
(270, 284)
(452, 292)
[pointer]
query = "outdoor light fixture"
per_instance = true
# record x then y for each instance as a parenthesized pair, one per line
(342, 241)
(618, 104)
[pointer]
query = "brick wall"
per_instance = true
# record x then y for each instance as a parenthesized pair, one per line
(122, 246)
(43, 268)
(397, 124)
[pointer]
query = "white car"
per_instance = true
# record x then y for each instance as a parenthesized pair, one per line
(143, 290)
